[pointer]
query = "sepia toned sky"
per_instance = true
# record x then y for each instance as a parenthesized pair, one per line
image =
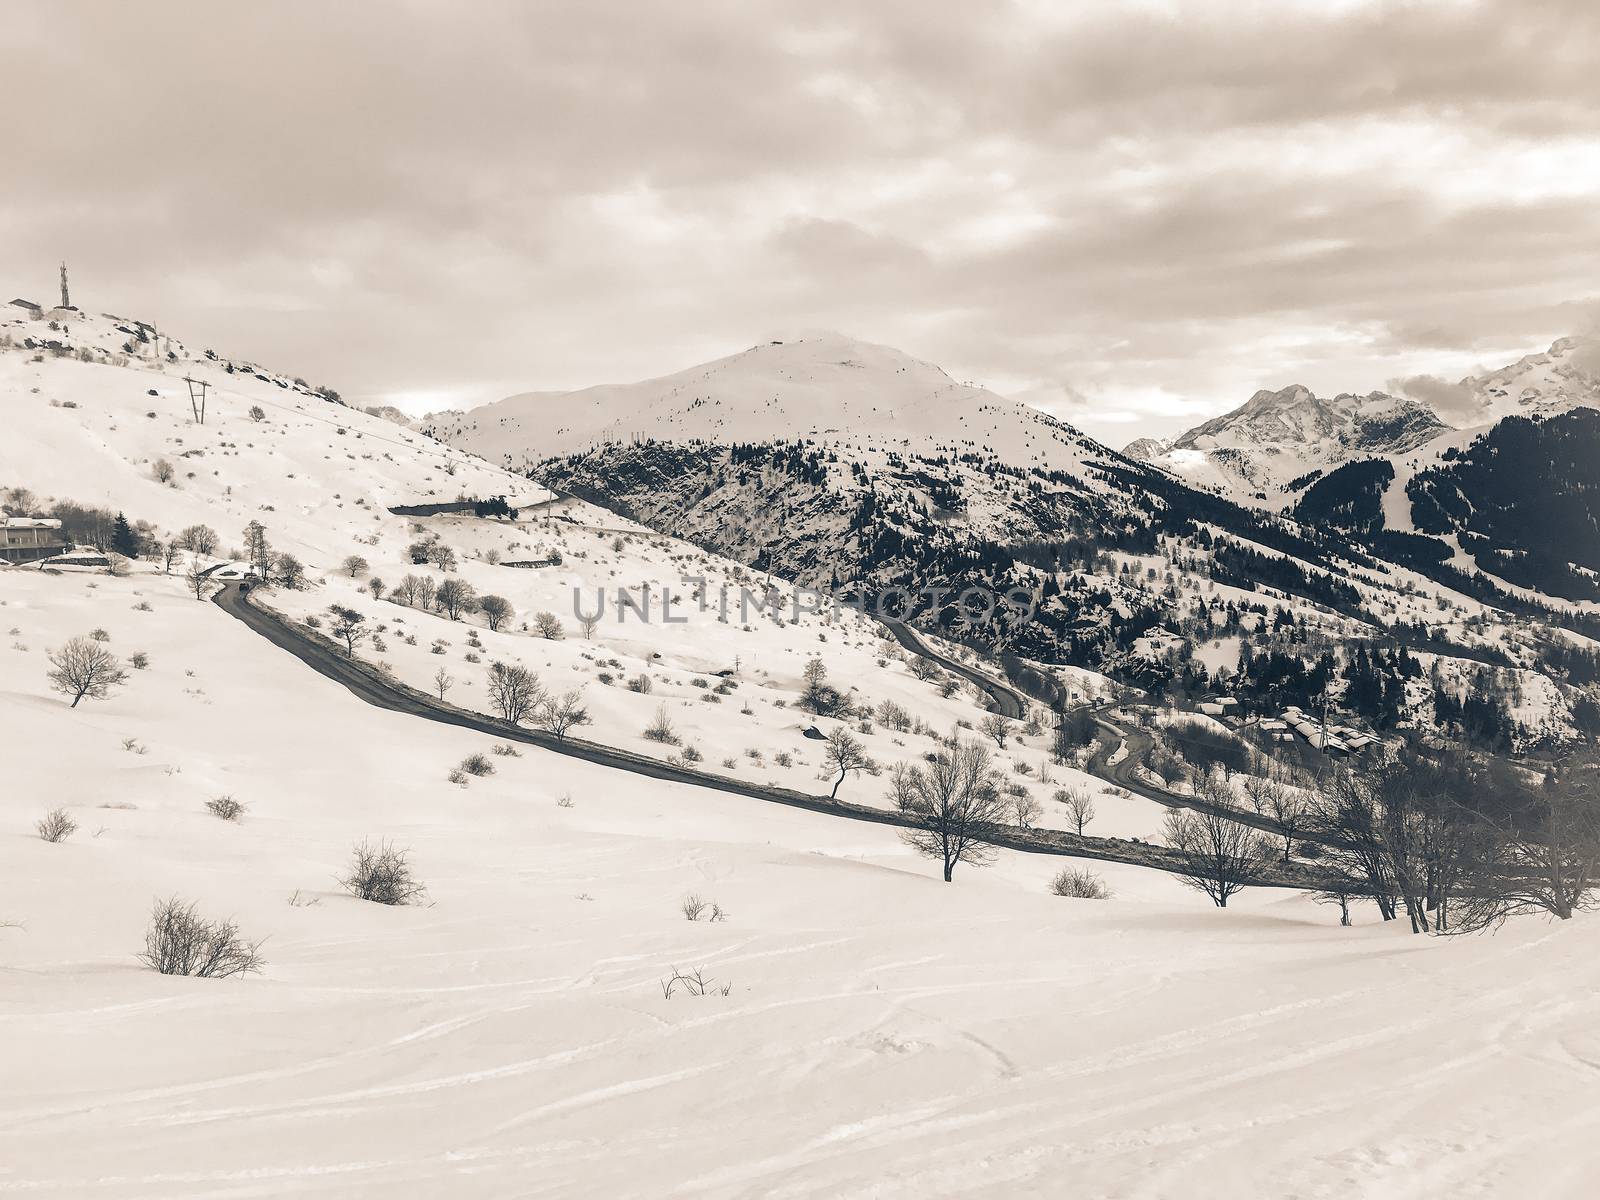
(1133, 215)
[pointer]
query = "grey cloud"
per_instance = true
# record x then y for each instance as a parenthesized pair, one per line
(1454, 402)
(560, 194)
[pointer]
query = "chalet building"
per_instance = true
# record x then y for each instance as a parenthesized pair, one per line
(27, 539)
(28, 307)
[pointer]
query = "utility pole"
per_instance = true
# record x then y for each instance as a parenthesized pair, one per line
(198, 409)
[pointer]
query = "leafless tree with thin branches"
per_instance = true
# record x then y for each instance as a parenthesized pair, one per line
(954, 802)
(83, 667)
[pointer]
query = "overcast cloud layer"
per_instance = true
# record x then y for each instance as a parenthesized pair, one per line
(1131, 215)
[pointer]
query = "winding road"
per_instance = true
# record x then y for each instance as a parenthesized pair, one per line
(1004, 699)
(366, 683)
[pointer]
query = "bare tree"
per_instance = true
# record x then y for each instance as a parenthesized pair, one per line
(407, 589)
(515, 691)
(997, 727)
(443, 681)
(349, 626)
(560, 715)
(954, 802)
(83, 667)
(1217, 856)
(1283, 805)
(257, 550)
(844, 754)
(455, 597)
(291, 572)
(199, 539)
(496, 610)
(548, 625)
(427, 592)
(441, 556)
(196, 577)
(1543, 858)
(354, 565)
(1025, 810)
(1079, 805)
(588, 622)
(170, 550)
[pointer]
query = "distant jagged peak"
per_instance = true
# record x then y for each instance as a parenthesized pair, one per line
(1146, 449)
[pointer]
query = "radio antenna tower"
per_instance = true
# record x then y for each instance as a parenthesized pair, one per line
(66, 301)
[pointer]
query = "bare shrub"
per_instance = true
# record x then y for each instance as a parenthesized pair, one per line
(560, 715)
(1079, 884)
(696, 983)
(225, 807)
(506, 750)
(477, 765)
(660, 729)
(181, 942)
(382, 874)
(56, 825)
(693, 906)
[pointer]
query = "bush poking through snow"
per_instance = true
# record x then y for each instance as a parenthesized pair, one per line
(660, 729)
(225, 808)
(382, 874)
(181, 942)
(1078, 884)
(696, 984)
(506, 750)
(477, 765)
(693, 906)
(56, 825)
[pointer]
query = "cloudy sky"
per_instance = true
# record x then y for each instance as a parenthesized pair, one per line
(1133, 215)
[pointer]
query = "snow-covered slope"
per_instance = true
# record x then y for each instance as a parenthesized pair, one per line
(825, 387)
(90, 412)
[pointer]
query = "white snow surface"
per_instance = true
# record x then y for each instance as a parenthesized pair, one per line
(884, 1033)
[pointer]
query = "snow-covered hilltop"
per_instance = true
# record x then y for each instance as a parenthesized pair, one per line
(827, 388)
(100, 410)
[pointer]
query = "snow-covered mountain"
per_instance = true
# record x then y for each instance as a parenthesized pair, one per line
(827, 388)
(1275, 438)
(1146, 449)
(1563, 377)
